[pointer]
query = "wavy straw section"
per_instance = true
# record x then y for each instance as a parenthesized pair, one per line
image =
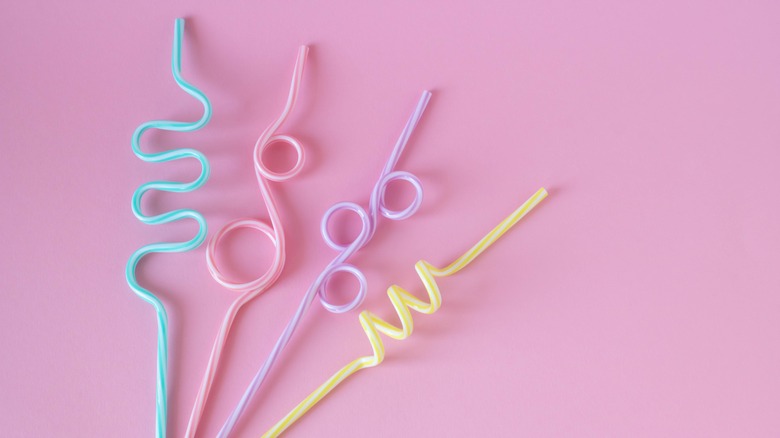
(172, 216)
(403, 301)
(275, 233)
(369, 220)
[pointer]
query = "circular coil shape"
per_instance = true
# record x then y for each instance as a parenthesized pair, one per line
(369, 219)
(274, 232)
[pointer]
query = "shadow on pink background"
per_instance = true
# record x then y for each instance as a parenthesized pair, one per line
(640, 299)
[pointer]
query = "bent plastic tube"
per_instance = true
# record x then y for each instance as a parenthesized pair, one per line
(171, 216)
(403, 301)
(275, 233)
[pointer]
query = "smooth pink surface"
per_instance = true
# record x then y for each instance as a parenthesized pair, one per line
(640, 299)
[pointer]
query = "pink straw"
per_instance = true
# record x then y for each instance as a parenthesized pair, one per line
(275, 233)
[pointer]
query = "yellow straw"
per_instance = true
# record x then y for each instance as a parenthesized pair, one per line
(403, 301)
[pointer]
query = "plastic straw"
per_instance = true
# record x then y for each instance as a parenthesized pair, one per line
(164, 218)
(275, 233)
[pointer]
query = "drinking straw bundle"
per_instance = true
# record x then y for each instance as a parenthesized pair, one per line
(339, 264)
(402, 300)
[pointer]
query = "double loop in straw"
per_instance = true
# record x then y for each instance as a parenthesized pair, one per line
(369, 219)
(275, 233)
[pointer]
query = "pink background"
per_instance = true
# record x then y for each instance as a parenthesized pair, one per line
(640, 299)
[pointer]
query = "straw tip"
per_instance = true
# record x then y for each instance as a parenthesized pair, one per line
(540, 195)
(424, 99)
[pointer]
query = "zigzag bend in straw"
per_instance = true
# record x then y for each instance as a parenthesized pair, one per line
(171, 216)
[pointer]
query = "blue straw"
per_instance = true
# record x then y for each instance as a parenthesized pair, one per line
(172, 216)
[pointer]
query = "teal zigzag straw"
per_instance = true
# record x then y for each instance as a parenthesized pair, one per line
(168, 186)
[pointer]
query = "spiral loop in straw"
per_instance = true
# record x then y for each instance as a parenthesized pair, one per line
(250, 289)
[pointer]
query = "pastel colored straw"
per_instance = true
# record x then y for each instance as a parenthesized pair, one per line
(275, 233)
(403, 301)
(171, 216)
(369, 221)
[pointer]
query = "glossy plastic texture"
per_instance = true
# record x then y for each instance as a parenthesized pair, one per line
(275, 233)
(164, 218)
